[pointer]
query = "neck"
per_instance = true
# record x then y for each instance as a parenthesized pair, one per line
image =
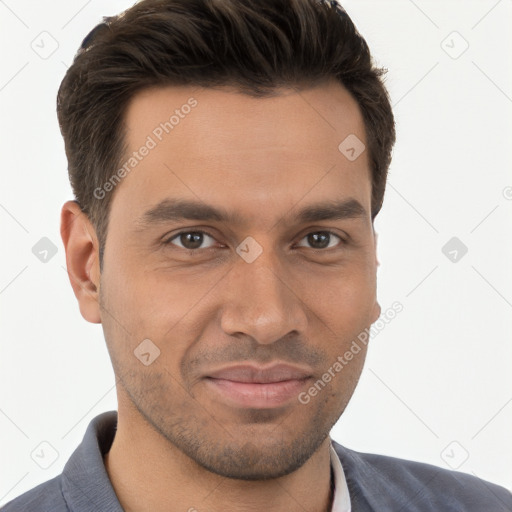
(149, 473)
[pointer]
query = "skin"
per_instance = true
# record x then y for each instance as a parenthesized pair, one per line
(178, 445)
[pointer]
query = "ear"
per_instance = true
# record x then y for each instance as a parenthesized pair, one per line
(376, 311)
(82, 259)
(375, 235)
(376, 307)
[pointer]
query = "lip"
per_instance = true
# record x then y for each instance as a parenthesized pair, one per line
(256, 386)
(277, 372)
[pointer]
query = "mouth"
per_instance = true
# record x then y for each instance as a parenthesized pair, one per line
(248, 386)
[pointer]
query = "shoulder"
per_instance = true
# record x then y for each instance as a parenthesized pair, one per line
(45, 497)
(416, 486)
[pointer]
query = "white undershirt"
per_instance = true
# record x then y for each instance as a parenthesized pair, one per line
(341, 498)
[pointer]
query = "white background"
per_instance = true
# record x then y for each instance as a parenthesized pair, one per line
(437, 386)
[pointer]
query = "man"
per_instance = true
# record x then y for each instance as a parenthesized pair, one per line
(228, 160)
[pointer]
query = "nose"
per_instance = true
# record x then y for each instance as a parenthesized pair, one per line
(259, 301)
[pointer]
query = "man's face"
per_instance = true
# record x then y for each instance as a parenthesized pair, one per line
(261, 287)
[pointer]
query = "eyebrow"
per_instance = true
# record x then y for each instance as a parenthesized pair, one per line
(184, 209)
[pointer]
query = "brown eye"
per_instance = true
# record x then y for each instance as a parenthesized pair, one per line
(322, 239)
(190, 240)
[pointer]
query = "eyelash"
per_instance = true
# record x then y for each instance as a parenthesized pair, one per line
(177, 235)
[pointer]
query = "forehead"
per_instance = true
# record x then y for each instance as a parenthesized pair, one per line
(221, 146)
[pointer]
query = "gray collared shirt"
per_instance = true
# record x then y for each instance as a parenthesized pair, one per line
(363, 483)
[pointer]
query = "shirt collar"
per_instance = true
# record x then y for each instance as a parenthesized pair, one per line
(86, 485)
(341, 497)
(85, 482)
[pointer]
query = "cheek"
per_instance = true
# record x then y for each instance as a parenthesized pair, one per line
(149, 300)
(344, 300)
(167, 307)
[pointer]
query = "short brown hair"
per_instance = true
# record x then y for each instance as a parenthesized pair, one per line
(255, 45)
